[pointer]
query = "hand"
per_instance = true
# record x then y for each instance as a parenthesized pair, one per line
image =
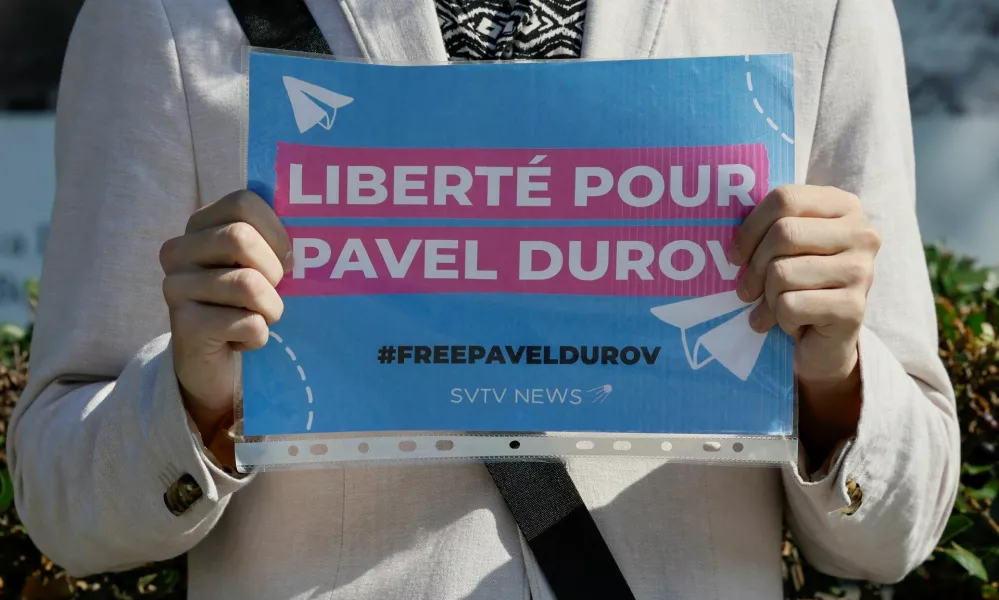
(219, 287)
(809, 252)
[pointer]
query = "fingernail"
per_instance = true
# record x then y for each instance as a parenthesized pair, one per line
(755, 320)
(289, 262)
(742, 291)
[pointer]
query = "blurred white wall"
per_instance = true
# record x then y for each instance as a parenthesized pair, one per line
(27, 186)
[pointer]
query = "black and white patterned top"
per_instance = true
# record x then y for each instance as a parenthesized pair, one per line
(512, 29)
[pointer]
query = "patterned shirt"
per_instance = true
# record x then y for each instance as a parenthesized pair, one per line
(512, 29)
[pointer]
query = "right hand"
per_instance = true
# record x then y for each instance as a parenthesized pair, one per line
(219, 287)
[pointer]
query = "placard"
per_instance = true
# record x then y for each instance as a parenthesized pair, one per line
(516, 259)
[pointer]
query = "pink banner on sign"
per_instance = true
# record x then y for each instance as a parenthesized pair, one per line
(608, 261)
(642, 183)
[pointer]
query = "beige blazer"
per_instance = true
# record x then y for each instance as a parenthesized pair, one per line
(148, 130)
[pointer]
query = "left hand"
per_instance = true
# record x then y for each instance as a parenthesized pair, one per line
(809, 251)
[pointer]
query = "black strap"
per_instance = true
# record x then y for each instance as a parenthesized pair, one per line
(280, 25)
(541, 495)
(560, 530)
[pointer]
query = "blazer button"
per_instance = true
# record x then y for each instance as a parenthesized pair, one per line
(182, 494)
(856, 495)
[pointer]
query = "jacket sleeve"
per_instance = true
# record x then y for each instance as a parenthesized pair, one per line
(100, 434)
(881, 506)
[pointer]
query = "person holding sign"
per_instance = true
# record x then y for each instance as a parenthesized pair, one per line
(158, 272)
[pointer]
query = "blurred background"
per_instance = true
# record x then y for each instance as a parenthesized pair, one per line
(952, 49)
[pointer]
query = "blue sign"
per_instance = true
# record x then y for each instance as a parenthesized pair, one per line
(521, 247)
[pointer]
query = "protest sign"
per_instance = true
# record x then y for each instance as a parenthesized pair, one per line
(516, 259)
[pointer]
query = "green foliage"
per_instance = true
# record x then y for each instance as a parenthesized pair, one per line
(12, 340)
(968, 315)
(971, 563)
(6, 490)
(965, 564)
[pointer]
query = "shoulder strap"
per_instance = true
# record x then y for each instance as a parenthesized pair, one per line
(541, 495)
(560, 530)
(280, 25)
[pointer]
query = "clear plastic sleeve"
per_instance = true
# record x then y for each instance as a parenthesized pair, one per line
(515, 261)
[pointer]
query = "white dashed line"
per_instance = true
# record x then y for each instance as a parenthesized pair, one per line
(301, 373)
(759, 108)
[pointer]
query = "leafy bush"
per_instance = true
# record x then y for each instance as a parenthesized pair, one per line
(965, 564)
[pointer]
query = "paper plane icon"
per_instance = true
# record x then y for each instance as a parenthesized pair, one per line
(313, 105)
(733, 343)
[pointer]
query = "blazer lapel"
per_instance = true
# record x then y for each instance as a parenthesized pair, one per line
(401, 31)
(616, 29)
